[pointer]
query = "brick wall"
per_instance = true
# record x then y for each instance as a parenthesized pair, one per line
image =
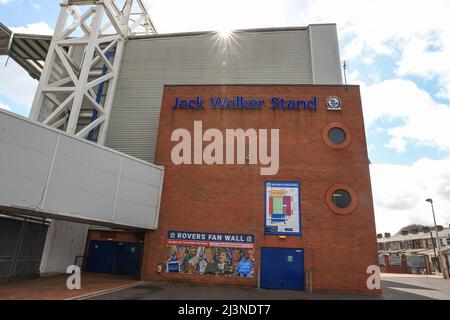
(338, 248)
(119, 236)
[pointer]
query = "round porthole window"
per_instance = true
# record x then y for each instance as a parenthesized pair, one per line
(341, 199)
(336, 135)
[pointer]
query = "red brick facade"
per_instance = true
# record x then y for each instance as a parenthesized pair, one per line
(119, 236)
(338, 247)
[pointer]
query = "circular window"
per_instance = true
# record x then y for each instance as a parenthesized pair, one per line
(341, 199)
(336, 135)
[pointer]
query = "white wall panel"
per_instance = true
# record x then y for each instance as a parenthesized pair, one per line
(326, 63)
(65, 241)
(73, 179)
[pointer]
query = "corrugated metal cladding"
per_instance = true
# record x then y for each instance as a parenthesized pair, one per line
(269, 57)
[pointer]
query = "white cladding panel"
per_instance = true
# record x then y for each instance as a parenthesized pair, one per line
(55, 174)
(23, 184)
(325, 60)
(249, 57)
(65, 241)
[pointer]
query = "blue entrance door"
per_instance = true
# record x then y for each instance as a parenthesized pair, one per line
(102, 256)
(129, 259)
(282, 268)
(114, 257)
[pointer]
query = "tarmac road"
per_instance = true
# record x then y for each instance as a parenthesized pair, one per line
(394, 287)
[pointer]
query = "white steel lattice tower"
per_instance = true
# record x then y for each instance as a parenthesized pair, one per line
(79, 78)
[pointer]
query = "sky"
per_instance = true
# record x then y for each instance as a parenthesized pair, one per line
(397, 51)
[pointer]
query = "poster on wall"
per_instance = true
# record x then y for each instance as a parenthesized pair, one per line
(210, 254)
(282, 206)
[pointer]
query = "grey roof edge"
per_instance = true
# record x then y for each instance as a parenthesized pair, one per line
(182, 34)
(202, 33)
(258, 85)
(322, 24)
(25, 35)
(33, 36)
(5, 28)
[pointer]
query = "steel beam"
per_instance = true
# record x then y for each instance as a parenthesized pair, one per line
(83, 57)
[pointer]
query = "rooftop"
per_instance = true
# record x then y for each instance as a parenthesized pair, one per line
(445, 233)
(28, 50)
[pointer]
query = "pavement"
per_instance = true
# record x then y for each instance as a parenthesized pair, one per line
(415, 287)
(55, 288)
(109, 287)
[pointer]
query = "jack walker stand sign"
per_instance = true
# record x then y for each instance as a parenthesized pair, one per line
(210, 253)
(282, 206)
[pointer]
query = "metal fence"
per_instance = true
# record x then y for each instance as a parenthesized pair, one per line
(21, 246)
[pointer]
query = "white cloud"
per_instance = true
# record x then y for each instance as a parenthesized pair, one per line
(4, 106)
(353, 77)
(422, 119)
(375, 24)
(400, 191)
(34, 28)
(419, 31)
(368, 60)
(16, 84)
(397, 144)
(204, 15)
(428, 57)
(4, 1)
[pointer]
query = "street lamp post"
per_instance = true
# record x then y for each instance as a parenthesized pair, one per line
(434, 250)
(441, 260)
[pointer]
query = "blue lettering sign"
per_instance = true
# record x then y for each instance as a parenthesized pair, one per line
(196, 103)
(284, 104)
(238, 102)
(243, 103)
(213, 237)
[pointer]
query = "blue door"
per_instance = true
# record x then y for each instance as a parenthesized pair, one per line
(129, 259)
(282, 268)
(114, 257)
(101, 258)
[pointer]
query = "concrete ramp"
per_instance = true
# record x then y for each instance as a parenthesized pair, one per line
(47, 173)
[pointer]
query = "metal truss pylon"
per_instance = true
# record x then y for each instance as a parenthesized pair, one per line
(79, 78)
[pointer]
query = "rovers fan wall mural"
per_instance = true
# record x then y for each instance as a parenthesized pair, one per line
(210, 253)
